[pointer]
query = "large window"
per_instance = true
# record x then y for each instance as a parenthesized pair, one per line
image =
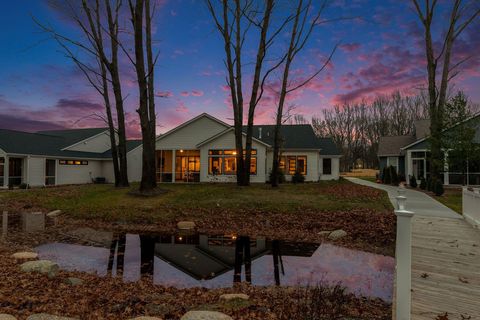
(225, 162)
(2, 171)
(291, 164)
(73, 162)
(393, 161)
(327, 166)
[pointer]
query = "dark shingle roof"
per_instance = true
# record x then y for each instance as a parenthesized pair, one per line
(422, 128)
(51, 143)
(299, 136)
(391, 146)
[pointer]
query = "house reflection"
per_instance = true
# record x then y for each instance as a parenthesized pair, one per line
(25, 222)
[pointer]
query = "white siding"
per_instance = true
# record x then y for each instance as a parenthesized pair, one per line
(68, 174)
(335, 168)
(312, 163)
(134, 162)
(99, 143)
(227, 141)
(192, 134)
(36, 171)
(107, 171)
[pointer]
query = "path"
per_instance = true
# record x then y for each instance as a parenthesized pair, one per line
(445, 259)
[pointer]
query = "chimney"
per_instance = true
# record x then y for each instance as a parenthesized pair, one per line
(260, 133)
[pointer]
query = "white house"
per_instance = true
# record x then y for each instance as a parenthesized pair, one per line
(199, 150)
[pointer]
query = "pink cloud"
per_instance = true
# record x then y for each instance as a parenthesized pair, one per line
(164, 94)
(184, 93)
(197, 93)
(350, 47)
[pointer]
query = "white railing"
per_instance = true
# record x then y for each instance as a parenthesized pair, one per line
(403, 258)
(471, 206)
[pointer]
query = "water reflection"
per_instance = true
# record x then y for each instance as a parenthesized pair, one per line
(214, 261)
(25, 222)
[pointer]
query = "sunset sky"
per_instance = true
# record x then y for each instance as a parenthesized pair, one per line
(381, 50)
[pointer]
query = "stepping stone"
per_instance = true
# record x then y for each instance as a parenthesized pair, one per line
(74, 281)
(337, 234)
(46, 316)
(54, 213)
(186, 225)
(42, 266)
(25, 255)
(4, 316)
(234, 296)
(205, 315)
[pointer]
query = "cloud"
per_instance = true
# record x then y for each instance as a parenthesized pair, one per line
(184, 93)
(164, 94)
(350, 47)
(197, 93)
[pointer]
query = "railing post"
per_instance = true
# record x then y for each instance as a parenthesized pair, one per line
(403, 260)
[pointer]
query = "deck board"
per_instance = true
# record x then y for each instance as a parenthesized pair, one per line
(447, 253)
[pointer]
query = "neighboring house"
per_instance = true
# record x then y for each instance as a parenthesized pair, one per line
(410, 155)
(199, 150)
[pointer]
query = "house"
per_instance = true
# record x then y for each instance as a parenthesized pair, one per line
(199, 150)
(410, 155)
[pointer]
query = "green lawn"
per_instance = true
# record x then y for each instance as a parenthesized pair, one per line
(452, 198)
(108, 203)
(371, 179)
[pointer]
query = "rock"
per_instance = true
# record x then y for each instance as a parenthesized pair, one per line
(74, 281)
(25, 255)
(42, 266)
(46, 316)
(186, 225)
(4, 316)
(205, 315)
(324, 233)
(54, 213)
(337, 234)
(161, 309)
(234, 296)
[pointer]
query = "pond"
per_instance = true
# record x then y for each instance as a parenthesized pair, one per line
(185, 260)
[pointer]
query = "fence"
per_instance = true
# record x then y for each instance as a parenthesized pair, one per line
(471, 206)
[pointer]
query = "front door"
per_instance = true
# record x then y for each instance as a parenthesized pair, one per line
(418, 168)
(187, 166)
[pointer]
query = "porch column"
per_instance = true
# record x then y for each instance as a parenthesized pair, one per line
(446, 178)
(173, 165)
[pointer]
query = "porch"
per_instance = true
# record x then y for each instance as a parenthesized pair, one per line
(178, 166)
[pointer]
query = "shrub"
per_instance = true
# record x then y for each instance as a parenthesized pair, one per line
(10, 186)
(429, 184)
(23, 186)
(280, 174)
(298, 177)
(387, 178)
(401, 178)
(438, 187)
(413, 182)
(423, 183)
(393, 176)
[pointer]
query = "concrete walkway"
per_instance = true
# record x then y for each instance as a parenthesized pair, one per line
(418, 202)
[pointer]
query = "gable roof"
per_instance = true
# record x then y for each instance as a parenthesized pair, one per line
(392, 145)
(221, 133)
(51, 143)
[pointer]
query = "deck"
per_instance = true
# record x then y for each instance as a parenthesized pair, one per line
(445, 269)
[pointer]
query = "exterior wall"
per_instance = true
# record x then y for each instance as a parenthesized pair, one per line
(189, 136)
(134, 163)
(335, 168)
(313, 173)
(68, 174)
(99, 143)
(227, 141)
(35, 176)
(107, 171)
(5, 170)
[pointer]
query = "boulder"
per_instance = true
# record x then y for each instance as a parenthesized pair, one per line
(324, 233)
(54, 213)
(4, 316)
(337, 234)
(186, 225)
(46, 316)
(26, 255)
(74, 281)
(205, 315)
(234, 296)
(42, 266)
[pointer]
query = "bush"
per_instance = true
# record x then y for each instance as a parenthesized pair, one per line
(298, 177)
(394, 177)
(438, 187)
(281, 176)
(386, 177)
(413, 182)
(423, 183)
(429, 184)
(23, 186)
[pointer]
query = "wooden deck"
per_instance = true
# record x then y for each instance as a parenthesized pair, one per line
(445, 269)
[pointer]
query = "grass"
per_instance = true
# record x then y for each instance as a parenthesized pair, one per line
(108, 203)
(452, 198)
(371, 179)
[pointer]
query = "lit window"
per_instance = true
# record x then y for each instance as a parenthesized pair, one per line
(230, 165)
(215, 165)
(225, 162)
(73, 162)
(292, 165)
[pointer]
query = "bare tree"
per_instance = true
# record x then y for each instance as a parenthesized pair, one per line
(303, 25)
(234, 20)
(89, 16)
(141, 14)
(462, 14)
